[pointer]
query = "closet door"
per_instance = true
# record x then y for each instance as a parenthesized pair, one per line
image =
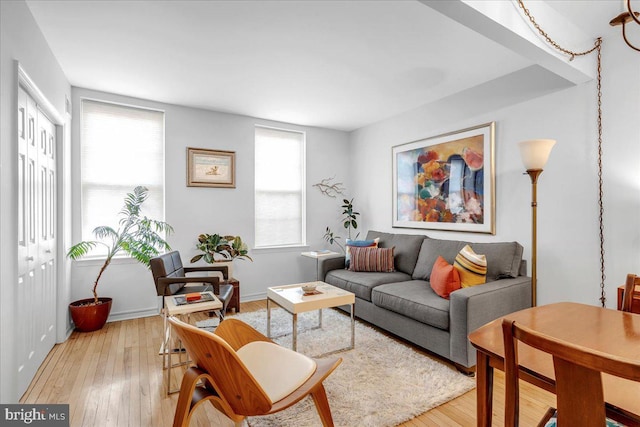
(35, 304)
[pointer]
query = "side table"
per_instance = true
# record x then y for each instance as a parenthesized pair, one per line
(235, 298)
(172, 309)
(317, 255)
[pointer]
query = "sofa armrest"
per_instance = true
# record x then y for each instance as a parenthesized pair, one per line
(473, 307)
(328, 263)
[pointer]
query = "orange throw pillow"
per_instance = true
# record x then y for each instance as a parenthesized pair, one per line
(444, 278)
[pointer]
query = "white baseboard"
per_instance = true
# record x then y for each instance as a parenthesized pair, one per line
(133, 314)
(254, 297)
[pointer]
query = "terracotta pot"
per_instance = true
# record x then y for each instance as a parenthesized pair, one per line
(90, 317)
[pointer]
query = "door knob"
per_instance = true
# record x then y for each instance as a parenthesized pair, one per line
(30, 258)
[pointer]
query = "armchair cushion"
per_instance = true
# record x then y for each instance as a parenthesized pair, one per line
(278, 370)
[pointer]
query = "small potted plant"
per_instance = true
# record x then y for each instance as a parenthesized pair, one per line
(217, 248)
(138, 236)
(349, 222)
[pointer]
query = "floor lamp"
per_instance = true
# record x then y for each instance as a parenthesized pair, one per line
(535, 153)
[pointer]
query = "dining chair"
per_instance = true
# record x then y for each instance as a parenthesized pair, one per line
(578, 372)
(243, 373)
(630, 291)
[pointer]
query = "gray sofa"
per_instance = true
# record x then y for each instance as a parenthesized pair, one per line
(403, 303)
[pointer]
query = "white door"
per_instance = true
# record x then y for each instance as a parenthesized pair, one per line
(36, 288)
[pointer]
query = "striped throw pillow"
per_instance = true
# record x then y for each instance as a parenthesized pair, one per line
(360, 243)
(471, 267)
(372, 259)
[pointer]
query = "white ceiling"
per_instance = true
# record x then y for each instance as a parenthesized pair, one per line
(337, 64)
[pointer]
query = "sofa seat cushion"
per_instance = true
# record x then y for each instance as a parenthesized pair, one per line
(414, 299)
(361, 283)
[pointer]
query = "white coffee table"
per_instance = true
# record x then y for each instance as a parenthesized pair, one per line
(293, 299)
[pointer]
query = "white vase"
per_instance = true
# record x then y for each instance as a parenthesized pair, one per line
(229, 265)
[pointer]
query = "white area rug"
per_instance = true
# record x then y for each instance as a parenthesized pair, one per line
(379, 383)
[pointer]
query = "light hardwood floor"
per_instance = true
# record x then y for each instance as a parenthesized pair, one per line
(114, 377)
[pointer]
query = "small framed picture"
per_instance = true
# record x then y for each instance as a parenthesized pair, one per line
(211, 168)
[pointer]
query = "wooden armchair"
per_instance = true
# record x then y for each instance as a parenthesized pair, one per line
(579, 392)
(631, 292)
(170, 278)
(243, 373)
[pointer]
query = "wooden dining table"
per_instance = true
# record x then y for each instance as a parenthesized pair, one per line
(609, 331)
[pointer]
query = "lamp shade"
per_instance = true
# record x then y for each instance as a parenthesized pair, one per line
(535, 152)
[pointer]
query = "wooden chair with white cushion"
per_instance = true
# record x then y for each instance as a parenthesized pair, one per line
(243, 373)
(630, 292)
(578, 377)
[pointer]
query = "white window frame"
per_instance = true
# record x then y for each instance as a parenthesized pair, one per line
(99, 252)
(303, 192)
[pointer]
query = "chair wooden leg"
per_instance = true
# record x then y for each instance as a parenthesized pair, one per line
(322, 405)
(184, 407)
(191, 396)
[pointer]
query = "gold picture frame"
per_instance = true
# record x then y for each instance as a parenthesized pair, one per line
(446, 182)
(211, 168)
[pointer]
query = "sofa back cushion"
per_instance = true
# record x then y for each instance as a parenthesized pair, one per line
(430, 250)
(407, 248)
(503, 258)
(384, 239)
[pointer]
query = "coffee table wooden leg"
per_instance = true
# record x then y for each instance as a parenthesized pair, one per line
(484, 390)
(320, 318)
(295, 332)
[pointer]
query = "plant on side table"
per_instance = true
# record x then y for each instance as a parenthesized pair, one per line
(138, 236)
(217, 248)
(221, 249)
(349, 222)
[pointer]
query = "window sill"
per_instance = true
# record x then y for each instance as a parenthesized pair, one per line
(281, 249)
(99, 261)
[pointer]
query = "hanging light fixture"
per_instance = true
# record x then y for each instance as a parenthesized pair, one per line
(623, 19)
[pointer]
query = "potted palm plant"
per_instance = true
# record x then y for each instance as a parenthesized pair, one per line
(136, 235)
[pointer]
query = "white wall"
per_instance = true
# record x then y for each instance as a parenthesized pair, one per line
(568, 242)
(21, 40)
(194, 210)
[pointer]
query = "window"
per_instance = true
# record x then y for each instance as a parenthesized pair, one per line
(279, 187)
(121, 147)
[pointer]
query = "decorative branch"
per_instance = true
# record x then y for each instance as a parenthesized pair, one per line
(329, 188)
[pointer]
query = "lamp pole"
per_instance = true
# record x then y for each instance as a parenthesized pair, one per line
(534, 174)
(535, 153)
